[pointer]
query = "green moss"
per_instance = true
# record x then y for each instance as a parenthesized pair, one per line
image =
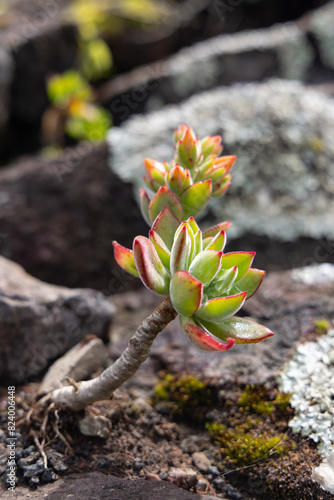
(183, 395)
(258, 400)
(322, 326)
(242, 445)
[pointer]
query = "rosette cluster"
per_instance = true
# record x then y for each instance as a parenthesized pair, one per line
(206, 286)
(194, 175)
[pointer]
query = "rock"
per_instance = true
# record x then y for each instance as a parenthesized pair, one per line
(294, 50)
(40, 321)
(201, 461)
(281, 133)
(6, 74)
(183, 478)
(324, 474)
(78, 363)
(57, 461)
(40, 44)
(35, 469)
(233, 493)
(97, 426)
(58, 219)
(219, 483)
(97, 485)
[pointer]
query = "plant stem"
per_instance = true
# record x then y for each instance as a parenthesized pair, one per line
(122, 369)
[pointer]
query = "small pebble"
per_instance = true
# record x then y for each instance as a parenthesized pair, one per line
(202, 485)
(48, 476)
(34, 482)
(183, 478)
(96, 426)
(152, 477)
(214, 470)
(28, 451)
(233, 493)
(219, 483)
(57, 461)
(201, 461)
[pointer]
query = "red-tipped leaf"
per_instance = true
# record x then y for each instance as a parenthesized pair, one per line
(186, 293)
(243, 330)
(249, 283)
(195, 198)
(151, 270)
(165, 198)
(220, 308)
(125, 259)
(212, 231)
(144, 205)
(166, 225)
(202, 339)
(242, 260)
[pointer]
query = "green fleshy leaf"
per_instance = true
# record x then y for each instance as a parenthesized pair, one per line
(249, 283)
(151, 270)
(218, 242)
(220, 308)
(166, 225)
(198, 246)
(202, 339)
(205, 266)
(165, 198)
(185, 293)
(220, 188)
(242, 260)
(222, 282)
(181, 249)
(206, 242)
(214, 230)
(243, 330)
(193, 225)
(125, 259)
(195, 198)
(162, 250)
(144, 205)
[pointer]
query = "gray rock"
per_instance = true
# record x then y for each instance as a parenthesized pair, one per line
(57, 461)
(6, 74)
(78, 364)
(97, 485)
(281, 132)
(40, 321)
(97, 426)
(201, 461)
(58, 219)
(183, 478)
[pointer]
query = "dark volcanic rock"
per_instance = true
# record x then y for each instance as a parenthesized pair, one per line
(39, 322)
(58, 219)
(96, 485)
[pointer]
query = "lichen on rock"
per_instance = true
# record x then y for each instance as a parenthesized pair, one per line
(309, 378)
(281, 133)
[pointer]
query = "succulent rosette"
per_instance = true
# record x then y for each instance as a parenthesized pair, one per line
(186, 183)
(206, 286)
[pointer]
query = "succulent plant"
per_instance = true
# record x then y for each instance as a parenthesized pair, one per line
(206, 286)
(186, 184)
(200, 283)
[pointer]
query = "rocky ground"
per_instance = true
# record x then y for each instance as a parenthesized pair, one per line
(166, 425)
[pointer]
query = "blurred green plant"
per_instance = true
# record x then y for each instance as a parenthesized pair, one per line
(72, 98)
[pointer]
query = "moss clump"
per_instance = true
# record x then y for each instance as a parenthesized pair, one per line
(258, 400)
(243, 446)
(322, 326)
(181, 396)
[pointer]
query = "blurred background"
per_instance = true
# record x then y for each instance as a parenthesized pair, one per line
(71, 70)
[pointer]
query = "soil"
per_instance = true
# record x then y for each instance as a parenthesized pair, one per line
(149, 436)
